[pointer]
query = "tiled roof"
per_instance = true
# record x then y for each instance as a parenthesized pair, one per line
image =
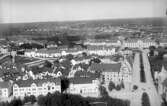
(164, 63)
(99, 47)
(4, 85)
(164, 83)
(84, 74)
(130, 60)
(38, 82)
(106, 67)
(81, 80)
(37, 70)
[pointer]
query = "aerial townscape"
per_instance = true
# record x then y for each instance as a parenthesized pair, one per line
(84, 63)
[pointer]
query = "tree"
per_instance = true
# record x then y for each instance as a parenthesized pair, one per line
(64, 84)
(16, 102)
(122, 84)
(96, 60)
(32, 99)
(145, 100)
(69, 57)
(111, 86)
(84, 54)
(48, 64)
(135, 87)
(41, 100)
(118, 87)
(103, 91)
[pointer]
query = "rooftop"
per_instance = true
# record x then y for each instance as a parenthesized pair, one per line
(4, 85)
(38, 82)
(106, 67)
(165, 82)
(81, 80)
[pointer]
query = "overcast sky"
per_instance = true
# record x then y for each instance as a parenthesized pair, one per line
(13, 11)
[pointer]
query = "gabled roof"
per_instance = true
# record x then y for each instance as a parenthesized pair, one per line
(130, 60)
(38, 82)
(164, 83)
(84, 74)
(4, 85)
(165, 64)
(106, 67)
(81, 80)
(37, 70)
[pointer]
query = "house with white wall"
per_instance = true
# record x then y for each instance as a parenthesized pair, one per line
(36, 87)
(5, 89)
(84, 86)
(115, 72)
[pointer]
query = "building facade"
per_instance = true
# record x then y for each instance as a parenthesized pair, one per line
(115, 72)
(5, 89)
(86, 87)
(36, 87)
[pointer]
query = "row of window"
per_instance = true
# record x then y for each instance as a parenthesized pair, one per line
(34, 89)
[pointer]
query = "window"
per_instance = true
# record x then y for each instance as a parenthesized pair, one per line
(49, 87)
(33, 89)
(21, 89)
(80, 91)
(15, 86)
(39, 88)
(15, 90)
(15, 94)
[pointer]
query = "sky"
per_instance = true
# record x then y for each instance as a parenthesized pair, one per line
(19, 11)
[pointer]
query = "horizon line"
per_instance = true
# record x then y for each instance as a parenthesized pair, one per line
(86, 20)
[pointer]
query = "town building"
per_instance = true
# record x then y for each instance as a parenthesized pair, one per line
(5, 89)
(37, 87)
(115, 72)
(84, 86)
(135, 43)
(114, 42)
(4, 50)
(164, 89)
(162, 81)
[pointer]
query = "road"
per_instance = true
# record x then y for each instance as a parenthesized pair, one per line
(147, 86)
(136, 95)
(155, 99)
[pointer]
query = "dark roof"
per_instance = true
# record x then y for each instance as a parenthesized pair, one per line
(37, 70)
(81, 80)
(164, 63)
(38, 82)
(106, 67)
(130, 60)
(4, 84)
(164, 83)
(84, 74)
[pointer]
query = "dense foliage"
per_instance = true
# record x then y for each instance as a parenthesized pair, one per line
(145, 100)
(142, 73)
(59, 99)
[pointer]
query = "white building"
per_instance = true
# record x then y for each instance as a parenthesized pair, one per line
(3, 50)
(5, 89)
(36, 87)
(103, 43)
(86, 87)
(115, 72)
(162, 80)
(139, 44)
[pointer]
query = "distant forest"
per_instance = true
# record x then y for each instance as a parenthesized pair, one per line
(17, 28)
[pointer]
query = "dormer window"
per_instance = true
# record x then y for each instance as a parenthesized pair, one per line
(33, 85)
(15, 86)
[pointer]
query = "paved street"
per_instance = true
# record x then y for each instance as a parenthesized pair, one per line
(148, 86)
(136, 95)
